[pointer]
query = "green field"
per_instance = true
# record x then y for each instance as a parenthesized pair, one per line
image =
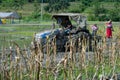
(24, 33)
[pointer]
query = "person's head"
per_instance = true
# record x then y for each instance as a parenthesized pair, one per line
(95, 24)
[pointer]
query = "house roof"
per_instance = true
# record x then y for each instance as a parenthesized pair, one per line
(9, 15)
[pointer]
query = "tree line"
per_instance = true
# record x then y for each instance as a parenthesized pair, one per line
(97, 10)
(47, 1)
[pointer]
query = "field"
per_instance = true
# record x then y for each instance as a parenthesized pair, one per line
(21, 61)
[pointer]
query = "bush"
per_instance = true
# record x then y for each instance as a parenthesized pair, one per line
(27, 19)
(46, 16)
(114, 15)
(103, 17)
(78, 8)
(91, 17)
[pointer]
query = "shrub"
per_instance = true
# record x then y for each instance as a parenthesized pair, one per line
(91, 17)
(103, 17)
(46, 16)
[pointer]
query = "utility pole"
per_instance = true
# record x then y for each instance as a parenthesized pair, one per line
(41, 10)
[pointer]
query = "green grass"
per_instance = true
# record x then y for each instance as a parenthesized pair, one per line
(25, 33)
(20, 34)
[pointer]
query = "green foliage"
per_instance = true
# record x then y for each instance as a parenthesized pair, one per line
(64, 4)
(78, 8)
(91, 17)
(18, 4)
(100, 13)
(37, 10)
(86, 2)
(46, 16)
(114, 15)
(27, 19)
(99, 10)
(7, 3)
(103, 17)
(56, 5)
(35, 15)
(14, 4)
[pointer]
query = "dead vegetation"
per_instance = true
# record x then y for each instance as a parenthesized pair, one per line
(21, 63)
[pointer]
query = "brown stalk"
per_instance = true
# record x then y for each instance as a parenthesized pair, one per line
(65, 61)
(54, 49)
(71, 60)
(47, 59)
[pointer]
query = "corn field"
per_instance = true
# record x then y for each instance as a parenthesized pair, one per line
(31, 63)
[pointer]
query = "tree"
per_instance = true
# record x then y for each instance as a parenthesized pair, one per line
(37, 10)
(7, 3)
(86, 2)
(64, 4)
(98, 10)
(57, 5)
(114, 14)
(30, 1)
(17, 4)
(0, 1)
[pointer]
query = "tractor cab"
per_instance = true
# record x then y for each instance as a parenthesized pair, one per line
(66, 29)
(64, 20)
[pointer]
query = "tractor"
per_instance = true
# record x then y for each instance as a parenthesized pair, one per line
(67, 32)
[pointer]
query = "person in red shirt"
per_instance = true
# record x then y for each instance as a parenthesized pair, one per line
(109, 29)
